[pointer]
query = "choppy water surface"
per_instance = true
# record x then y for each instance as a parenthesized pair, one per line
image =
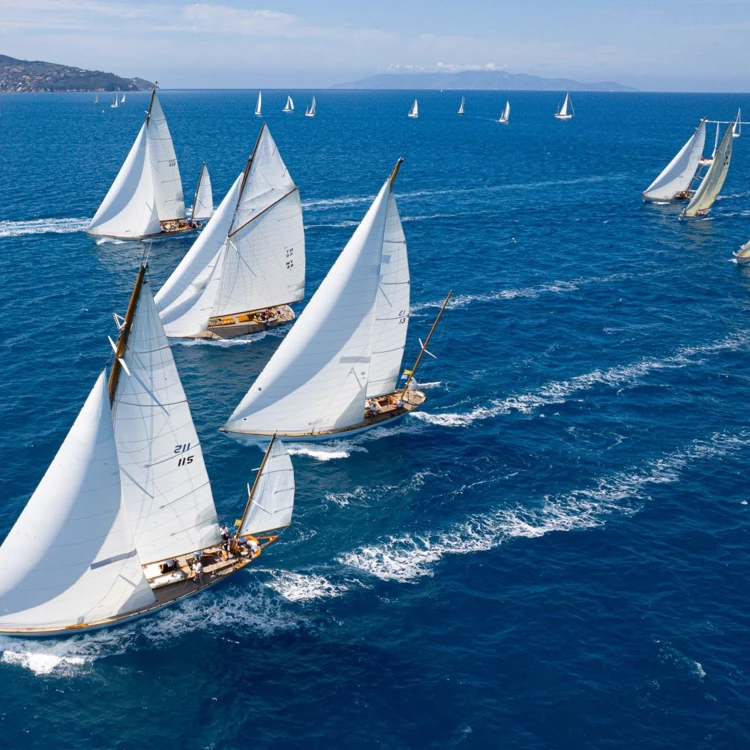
(552, 554)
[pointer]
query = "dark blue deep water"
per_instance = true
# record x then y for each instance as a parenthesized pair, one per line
(554, 553)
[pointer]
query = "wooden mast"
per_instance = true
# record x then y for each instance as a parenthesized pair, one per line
(392, 178)
(150, 104)
(427, 341)
(122, 341)
(251, 494)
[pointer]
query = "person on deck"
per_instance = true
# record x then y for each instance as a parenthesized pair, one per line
(198, 572)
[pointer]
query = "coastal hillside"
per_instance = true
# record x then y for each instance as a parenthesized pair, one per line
(477, 80)
(35, 75)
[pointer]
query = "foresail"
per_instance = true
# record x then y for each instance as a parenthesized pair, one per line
(392, 307)
(678, 175)
(710, 187)
(170, 202)
(186, 301)
(203, 204)
(317, 378)
(70, 559)
(129, 209)
(273, 501)
(165, 485)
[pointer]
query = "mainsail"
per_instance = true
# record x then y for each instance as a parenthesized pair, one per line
(461, 108)
(203, 202)
(148, 187)
(678, 175)
(710, 187)
(506, 113)
(318, 378)
(310, 112)
(737, 127)
(259, 105)
(289, 106)
(414, 111)
(165, 487)
(251, 256)
(70, 558)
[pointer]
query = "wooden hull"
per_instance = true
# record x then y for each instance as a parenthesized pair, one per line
(179, 230)
(242, 324)
(563, 117)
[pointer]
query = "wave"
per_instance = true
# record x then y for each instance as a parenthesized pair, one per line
(409, 557)
(362, 494)
(300, 587)
(330, 451)
(558, 392)
(42, 226)
(236, 341)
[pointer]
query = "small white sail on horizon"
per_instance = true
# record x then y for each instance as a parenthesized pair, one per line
(310, 111)
(414, 111)
(115, 104)
(259, 105)
(461, 108)
(504, 117)
(122, 100)
(737, 127)
(203, 201)
(674, 181)
(96, 99)
(146, 197)
(708, 191)
(289, 106)
(250, 257)
(566, 112)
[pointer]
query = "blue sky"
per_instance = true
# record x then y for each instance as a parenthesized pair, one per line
(682, 45)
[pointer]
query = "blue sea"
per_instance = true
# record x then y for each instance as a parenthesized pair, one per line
(552, 553)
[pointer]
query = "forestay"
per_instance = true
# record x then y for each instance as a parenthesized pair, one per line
(392, 307)
(678, 175)
(203, 203)
(70, 558)
(317, 378)
(710, 187)
(273, 498)
(165, 485)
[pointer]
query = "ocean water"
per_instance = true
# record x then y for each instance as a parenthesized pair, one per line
(553, 553)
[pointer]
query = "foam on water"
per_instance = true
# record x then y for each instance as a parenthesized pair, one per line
(304, 587)
(42, 226)
(330, 451)
(408, 557)
(251, 338)
(362, 494)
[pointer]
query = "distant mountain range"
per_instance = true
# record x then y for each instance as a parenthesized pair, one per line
(487, 80)
(34, 75)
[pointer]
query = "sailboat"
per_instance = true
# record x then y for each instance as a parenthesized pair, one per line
(146, 198)
(708, 191)
(563, 113)
(259, 105)
(122, 101)
(126, 505)
(310, 111)
(96, 99)
(203, 201)
(248, 265)
(743, 254)
(414, 111)
(289, 106)
(737, 128)
(504, 117)
(115, 104)
(675, 180)
(335, 372)
(461, 108)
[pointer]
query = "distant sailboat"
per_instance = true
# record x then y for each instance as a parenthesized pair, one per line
(248, 265)
(743, 254)
(461, 108)
(122, 101)
(96, 99)
(126, 507)
(563, 113)
(289, 106)
(115, 104)
(259, 105)
(504, 117)
(673, 183)
(310, 111)
(203, 201)
(146, 198)
(414, 111)
(335, 372)
(708, 191)
(737, 129)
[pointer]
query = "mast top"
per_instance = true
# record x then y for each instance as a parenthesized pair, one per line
(395, 170)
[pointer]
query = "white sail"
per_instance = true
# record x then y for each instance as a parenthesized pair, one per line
(414, 111)
(186, 301)
(678, 175)
(70, 557)
(170, 202)
(461, 108)
(392, 307)
(122, 101)
(506, 113)
(273, 501)
(165, 487)
(710, 187)
(317, 378)
(289, 106)
(129, 209)
(203, 203)
(564, 108)
(737, 127)
(259, 105)
(311, 110)
(264, 262)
